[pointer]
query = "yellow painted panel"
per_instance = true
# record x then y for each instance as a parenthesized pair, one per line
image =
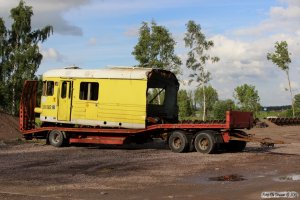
(64, 106)
(118, 101)
(123, 100)
(49, 103)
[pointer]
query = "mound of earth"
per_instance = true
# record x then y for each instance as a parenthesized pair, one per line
(9, 127)
(269, 123)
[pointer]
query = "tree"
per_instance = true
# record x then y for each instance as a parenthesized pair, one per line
(247, 97)
(198, 57)
(184, 104)
(297, 105)
(297, 101)
(281, 58)
(221, 107)
(155, 48)
(21, 56)
(3, 34)
(211, 96)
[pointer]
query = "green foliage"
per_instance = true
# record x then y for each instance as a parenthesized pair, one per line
(281, 57)
(3, 34)
(297, 101)
(221, 106)
(156, 96)
(277, 113)
(247, 97)
(297, 105)
(198, 57)
(196, 41)
(211, 97)
(184, 102)
(289, 113)
(155, 48)
(20, 56)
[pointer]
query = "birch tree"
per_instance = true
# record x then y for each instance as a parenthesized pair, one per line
(198, 57)
(281, 58)
(20, 57)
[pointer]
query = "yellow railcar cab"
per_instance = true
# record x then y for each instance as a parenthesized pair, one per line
(113, 97)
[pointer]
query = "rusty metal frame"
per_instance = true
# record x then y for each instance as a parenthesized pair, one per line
(233, 121)
(252, 138)
(98, 140)
(27, 105)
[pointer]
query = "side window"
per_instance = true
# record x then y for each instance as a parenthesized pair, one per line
(48, 88)
(89, 91)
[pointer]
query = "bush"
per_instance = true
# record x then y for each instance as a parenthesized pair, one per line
(221, 107)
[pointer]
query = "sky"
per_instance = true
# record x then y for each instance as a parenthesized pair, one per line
(99, 34)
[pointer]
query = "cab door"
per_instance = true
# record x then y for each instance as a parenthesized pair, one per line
(64, 101)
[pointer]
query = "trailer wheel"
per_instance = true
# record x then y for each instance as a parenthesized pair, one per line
(56, 138)
(178, 142)
(205, 142)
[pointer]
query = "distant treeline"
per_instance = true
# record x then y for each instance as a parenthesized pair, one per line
(276, 108)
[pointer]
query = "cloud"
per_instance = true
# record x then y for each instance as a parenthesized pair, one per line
(51, 54)
(48, 13)
(244, 61)
(120, 7)
(281, 19)
(284, 86)
(92, 41)
(132, 32)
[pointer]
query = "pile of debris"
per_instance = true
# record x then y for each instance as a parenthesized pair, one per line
(260, 124)
(9, 127)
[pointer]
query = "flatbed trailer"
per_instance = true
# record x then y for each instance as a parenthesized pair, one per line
(205, 137)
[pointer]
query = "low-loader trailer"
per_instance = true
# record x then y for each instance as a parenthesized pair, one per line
(122, 105)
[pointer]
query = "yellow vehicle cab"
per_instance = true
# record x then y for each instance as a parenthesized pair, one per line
(113, 97)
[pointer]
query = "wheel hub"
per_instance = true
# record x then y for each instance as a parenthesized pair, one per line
(177, 142)
(204, 143)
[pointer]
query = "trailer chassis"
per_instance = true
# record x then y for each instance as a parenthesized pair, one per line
(181, 137)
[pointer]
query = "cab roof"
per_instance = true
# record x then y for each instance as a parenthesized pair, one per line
(107, 73)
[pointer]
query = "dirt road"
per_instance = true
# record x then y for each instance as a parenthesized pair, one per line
(150, 171)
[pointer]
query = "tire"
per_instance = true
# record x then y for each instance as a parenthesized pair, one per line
(205, 142)
(56, 138)
(178, 142)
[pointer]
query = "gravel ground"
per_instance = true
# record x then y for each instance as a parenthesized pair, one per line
(149, 171)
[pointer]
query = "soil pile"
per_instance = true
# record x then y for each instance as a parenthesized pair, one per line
(270, 124)
(9, 127)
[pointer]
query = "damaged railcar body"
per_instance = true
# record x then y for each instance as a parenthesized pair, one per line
(162, 88)
(118, 106)
(114, 97)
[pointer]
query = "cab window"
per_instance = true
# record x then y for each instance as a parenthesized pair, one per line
(48, 88)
